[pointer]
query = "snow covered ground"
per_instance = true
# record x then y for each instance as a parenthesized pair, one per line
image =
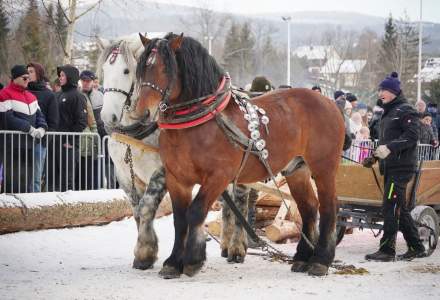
(95, 263)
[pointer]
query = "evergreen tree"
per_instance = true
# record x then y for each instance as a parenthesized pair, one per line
(61, 25)
(231, 54)
(52, 42)
(4, 31)
(238, 56)
(247, 63)
(30, 34)
(433, 92)
(408, 56)
(388, 52)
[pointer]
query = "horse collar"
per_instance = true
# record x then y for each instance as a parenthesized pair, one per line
(196, 111)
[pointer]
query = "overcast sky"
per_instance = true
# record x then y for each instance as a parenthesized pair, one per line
(381, 8)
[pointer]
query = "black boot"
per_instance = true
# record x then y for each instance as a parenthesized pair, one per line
(380, 256)
(413, 252)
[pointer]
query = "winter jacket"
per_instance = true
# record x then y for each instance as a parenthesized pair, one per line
(47, 102)
(72, 104)
(426, 135)
(374, 125)
(95, 98)
(399, 131)
(19, 110)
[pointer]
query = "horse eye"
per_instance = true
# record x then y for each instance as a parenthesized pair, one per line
(126, 71)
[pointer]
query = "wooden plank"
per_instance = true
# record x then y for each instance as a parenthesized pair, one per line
(269, 190)
(125, 139)
(354, 181)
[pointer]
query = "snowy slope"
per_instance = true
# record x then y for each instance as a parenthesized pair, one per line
(95, 263)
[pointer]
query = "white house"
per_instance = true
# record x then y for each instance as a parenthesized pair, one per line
(346, 73)
(431, 69)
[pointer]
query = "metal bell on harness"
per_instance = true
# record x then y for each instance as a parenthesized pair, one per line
(255, 135)
(252, 126)
(265, 120)
(260, 144)
(265, 154)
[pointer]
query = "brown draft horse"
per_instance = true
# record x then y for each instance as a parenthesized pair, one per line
(303, 123)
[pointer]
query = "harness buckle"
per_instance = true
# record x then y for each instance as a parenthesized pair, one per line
(163, 106)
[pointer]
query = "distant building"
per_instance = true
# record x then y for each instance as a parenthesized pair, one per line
(317, 57)
(431, 69)
(345, 72)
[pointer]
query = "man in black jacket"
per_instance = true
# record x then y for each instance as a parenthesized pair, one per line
(73, 118)
(397, 154)
(49, 107)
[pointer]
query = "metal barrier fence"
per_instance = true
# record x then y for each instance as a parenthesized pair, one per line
(59, 161)
(109, 172)
(361, 149)
(63, 161)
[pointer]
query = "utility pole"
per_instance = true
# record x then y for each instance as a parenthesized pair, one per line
(209, 38)
(287, 19)
(419, 79)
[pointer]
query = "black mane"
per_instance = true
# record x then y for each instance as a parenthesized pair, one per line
(199, 73)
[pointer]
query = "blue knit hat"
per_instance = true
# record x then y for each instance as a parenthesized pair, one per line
(391, 83)
(338, 94)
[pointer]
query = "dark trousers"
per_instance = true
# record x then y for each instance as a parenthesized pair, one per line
(63, 170)
(87, 174)
(396, 213)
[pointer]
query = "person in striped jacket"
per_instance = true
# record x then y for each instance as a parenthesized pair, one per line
(19, 111)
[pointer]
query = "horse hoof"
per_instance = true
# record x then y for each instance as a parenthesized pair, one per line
(235, 259)
(318, 270)
(169, 272)
(191, 270)
(143, 264)
(300, 266)
(224, 253)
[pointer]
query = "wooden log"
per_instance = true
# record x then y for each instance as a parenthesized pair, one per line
(25, 212)
(264, 213)
(59, 210)
(215, 227)
(279, 231)
(268, 200)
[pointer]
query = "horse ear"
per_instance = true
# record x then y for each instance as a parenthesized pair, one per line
(102, 43)
(144, 39)
(176, 42)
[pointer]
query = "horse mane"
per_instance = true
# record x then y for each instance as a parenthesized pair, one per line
(124, 50)
(199, 73)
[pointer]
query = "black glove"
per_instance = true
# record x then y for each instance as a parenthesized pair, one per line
(369, 162)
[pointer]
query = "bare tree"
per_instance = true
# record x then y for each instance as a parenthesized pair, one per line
(207, 25)
(71, 16)
(339, 48)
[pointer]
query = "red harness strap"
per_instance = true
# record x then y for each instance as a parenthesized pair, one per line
(210, 115)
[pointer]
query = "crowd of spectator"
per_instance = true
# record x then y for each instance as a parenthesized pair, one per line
(72, 103)
(33, 105)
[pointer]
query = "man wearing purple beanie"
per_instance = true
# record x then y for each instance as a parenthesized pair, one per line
(397, 154)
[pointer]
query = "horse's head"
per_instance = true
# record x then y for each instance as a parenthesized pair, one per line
(117, 65)
(157, 74)
(172, 70)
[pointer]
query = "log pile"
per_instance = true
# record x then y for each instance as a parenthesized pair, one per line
(24, 212)
(272, 214)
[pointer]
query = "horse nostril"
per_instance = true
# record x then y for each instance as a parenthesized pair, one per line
(114, 118)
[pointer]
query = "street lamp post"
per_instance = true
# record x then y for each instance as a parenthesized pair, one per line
(419, 79)
(209, 38)
(287, 19)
